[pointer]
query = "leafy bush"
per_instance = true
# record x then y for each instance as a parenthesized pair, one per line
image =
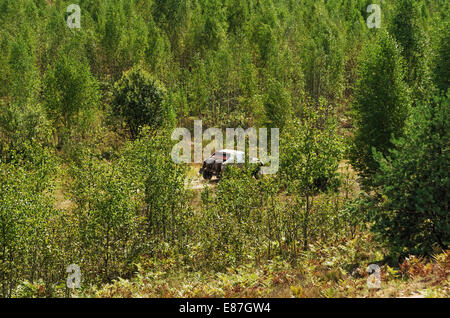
(139, 99)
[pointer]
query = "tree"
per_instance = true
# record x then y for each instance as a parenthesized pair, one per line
(161, 183)
(165, 197)
(442, 63)
(381, 104)
(24, 81)
(71, 93)
(139, 99)
(310, 153)
(323, 58)
(413, 183)
(106, 216)
(124, 37)
(21, 115)
(233, 217)
(213, 28)
(266, 42)
(414, 42)
(277, 105)
(237, 15)
(25, 210)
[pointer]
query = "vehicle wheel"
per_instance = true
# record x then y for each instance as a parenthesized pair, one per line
(207, 175)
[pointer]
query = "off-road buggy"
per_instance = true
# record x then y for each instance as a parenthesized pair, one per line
(218, 161)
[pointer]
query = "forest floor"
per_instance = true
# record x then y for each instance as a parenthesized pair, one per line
(195, 181)
(312, 277)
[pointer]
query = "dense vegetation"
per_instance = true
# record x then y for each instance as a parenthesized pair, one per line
(86, 175)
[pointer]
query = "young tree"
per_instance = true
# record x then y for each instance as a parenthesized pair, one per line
(71, 93)
(161, 183)
(406, 29)
(323, 56)
(165, 197)
(237, 15)
(413, 183)
(24, 79)
(25, 208)
(124, 36)
(310, 154)
(381, 104)
(277, 105)
(139, 99)
(106, 216)
(232, 218)
(265, 41)
(442, 63)
(21, 115)
(212, 31)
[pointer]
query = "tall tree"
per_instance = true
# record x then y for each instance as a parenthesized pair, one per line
(277, 105)
(414, 183)
(407, 30)
(381, 104)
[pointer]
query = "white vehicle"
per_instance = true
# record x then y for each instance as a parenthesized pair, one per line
(216, 163)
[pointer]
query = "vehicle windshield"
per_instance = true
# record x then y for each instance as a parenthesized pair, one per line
(221, 155)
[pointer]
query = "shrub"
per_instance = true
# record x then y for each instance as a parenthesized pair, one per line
(139, 100)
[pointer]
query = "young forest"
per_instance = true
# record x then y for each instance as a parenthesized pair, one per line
(91, 91)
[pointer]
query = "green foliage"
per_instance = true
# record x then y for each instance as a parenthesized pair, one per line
(323, 60)
(139, 99)
(234, 219)
(277, 105)
(413, 214)
(442, 66)
(71, 93)
(237, 15)
(166, 208)
(130, 207)
(124, 35)
(310, 153)
(106, 216)
(407, 30)
(134, 220)
(22, 66)
(20, 123)
(381, 104)
(25, 211)
(266, 42)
